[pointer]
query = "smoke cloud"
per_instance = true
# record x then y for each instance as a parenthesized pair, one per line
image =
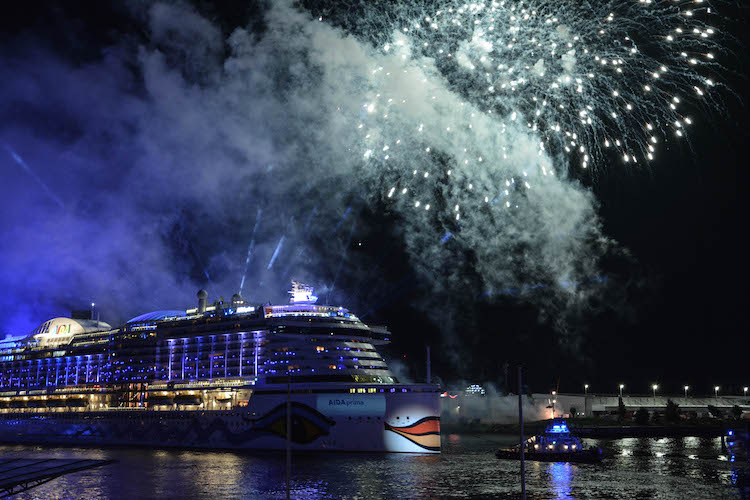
(192, 159)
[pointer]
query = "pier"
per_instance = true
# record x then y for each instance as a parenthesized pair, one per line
(21, 474)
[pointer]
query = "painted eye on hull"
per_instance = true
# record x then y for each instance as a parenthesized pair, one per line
(308, 424)
(303, 430)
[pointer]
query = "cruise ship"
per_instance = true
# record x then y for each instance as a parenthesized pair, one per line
(230, 375)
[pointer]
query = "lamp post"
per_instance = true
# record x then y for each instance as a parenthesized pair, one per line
(654, 387)
(686, 389)
(745, 390)
(586, 389)
(716, 391)
(554, 400)
(622, 386)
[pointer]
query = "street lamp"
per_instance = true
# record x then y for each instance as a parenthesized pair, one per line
(586, 389)
(622, 386)
(686, 389)
(716, 391)
(554, 400)
(654, 387)
(745, 390)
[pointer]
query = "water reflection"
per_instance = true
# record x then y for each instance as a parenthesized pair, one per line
(467, 468)
(675, 465)
(562, 475)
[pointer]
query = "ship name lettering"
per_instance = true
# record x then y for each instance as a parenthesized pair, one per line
(344, 402)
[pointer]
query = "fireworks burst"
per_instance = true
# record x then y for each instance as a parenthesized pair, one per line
(588, 82)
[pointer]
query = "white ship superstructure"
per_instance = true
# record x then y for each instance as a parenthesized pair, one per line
(220, 376)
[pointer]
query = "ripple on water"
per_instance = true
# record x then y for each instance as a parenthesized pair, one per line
(639, 468)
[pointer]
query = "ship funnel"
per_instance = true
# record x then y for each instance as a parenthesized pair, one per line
(202, 297)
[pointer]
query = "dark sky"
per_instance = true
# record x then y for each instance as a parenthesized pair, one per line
(669, 306)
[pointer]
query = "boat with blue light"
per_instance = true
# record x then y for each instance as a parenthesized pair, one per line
(555, 444)
(736, 443)
(229, 375)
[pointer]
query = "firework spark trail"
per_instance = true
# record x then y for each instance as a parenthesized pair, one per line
(589, 80)
(309, 220)
(275, 253)
(343, 218)
(20, 161)
(250, 248)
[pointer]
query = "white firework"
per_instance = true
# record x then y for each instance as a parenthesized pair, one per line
(589, 82)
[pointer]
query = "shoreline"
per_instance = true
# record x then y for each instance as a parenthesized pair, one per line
(592, 429)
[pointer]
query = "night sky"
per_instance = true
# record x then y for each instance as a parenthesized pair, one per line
(135, 172)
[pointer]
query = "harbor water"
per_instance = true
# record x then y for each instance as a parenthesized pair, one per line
(643, 468)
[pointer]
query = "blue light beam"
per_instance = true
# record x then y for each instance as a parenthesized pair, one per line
(275, 253)
(34, 176)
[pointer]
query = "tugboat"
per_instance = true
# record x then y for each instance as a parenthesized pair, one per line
(556, 444)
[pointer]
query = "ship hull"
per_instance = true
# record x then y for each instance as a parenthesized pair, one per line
(381, 422)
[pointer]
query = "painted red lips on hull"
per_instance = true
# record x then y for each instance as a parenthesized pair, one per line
(424, 432)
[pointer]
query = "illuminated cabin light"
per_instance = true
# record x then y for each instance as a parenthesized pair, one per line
(559, 429)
